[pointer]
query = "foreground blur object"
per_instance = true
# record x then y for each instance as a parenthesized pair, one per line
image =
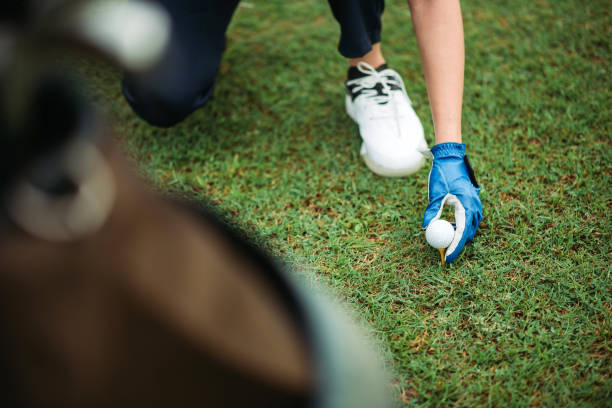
(111, 296)
(135, 32)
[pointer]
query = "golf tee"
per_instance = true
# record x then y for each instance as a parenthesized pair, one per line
(442, 250)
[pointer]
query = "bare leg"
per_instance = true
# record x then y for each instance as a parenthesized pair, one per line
(374, 57)
(439, 30)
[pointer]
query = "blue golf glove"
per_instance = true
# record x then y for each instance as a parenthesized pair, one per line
(452, 182)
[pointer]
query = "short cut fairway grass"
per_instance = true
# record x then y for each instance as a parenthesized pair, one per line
(523, 317)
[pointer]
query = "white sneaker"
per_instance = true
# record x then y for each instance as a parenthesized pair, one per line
(392, 133)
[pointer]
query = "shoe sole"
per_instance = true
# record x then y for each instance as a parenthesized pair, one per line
(386, 171)
(374, 166)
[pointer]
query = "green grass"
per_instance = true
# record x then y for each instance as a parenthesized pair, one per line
(524, 315)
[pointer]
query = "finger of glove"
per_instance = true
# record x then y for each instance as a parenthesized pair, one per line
(474, 225)
(432, 211)
(437, 191)
(463, 238)
(473, 209)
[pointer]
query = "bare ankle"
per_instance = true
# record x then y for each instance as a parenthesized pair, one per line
(374, 57)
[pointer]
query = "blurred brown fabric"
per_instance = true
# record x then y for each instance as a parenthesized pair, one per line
(161, 307)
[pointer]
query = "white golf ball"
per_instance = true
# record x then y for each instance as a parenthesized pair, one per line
(439, 234)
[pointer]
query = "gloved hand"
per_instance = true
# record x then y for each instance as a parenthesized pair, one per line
(452, 182)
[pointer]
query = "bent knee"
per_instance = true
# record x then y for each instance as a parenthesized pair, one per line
(164, 107)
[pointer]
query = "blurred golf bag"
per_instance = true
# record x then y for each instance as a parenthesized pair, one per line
(112, 296)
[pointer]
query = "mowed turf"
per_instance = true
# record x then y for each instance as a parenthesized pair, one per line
(523, 317)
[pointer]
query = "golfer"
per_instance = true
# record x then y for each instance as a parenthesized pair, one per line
(376, 99)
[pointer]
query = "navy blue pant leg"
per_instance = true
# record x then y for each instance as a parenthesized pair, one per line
(360, 25)
(184, 79)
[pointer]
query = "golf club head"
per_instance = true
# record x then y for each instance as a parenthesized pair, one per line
(33, 33)
(54, 183)
(133, 33)
(49, 132)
